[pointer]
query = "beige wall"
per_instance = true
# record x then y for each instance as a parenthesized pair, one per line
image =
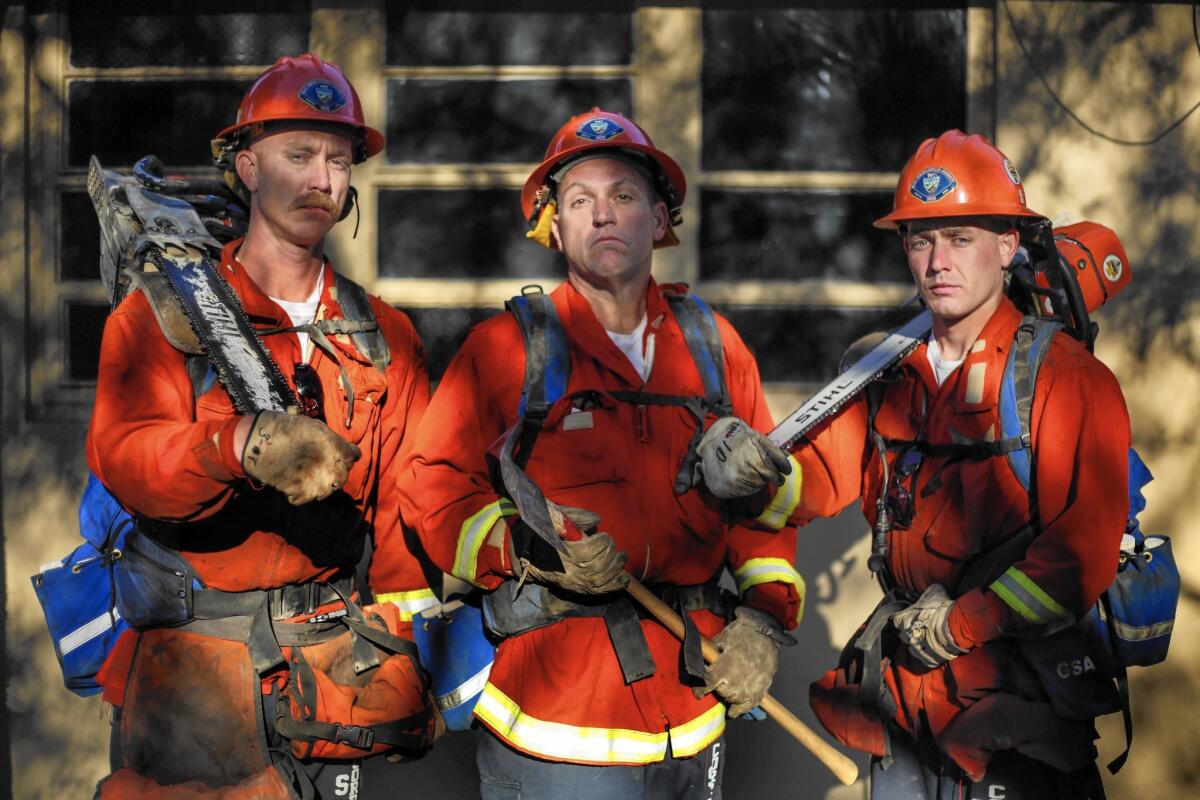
(1127, 70)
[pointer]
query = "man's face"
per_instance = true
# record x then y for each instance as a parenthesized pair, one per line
(298, 180)
(608, 221)
(959, 267)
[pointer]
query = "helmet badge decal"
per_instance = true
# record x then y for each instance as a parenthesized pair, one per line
(322, 95)
(932, 185)
(1113, 267)
(598, 129)
(1013, 175)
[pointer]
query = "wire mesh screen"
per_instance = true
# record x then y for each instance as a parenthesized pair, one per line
(79, 238)
(829, 88)
(184, 33)
(122, 120)
(85, 326)
(443, 330)
(427, 37)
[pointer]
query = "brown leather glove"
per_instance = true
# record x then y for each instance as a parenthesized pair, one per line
(592, 565)
(297, 455)
(738, 461)
(743, 672)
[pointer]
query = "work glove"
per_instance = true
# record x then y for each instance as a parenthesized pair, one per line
(297, 455)
(592, 565)
(738, 461)
(743, 672)
(925, 628)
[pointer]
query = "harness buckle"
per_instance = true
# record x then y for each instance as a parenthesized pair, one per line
(354, 735)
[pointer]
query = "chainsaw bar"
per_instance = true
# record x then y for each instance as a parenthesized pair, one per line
(232, 345)
(138, 225)
(846, 386)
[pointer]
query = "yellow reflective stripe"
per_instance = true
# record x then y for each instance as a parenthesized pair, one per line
(473, 535)
(409, 603)
(1028, 599)
(692, 737)
(767, 570)
(786, 498)
(559, 742)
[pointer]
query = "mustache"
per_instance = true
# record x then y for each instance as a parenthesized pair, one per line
(318, 199)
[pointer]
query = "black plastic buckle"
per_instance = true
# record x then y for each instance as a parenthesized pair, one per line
(354, 735)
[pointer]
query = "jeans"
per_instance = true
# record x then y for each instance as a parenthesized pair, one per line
(919, 771)
(506, 774)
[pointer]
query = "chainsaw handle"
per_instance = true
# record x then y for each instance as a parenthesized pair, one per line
(842, 767)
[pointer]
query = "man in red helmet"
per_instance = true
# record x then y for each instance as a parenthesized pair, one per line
(587, 697)
(941, 696)
(274, 679)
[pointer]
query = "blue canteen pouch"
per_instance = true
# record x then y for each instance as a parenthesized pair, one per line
(77, 594)
(1138, 611)
(458, 655)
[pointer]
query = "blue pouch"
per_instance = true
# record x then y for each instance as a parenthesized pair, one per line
(1137, 613)
(77, 594)
(457, 653)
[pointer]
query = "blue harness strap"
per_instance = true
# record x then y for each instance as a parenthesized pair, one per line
(1015, 405)
(547, 356)
(699, 326)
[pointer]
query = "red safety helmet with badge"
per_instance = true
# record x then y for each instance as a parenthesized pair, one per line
(956, 175)
(960, 175)
(304, 88)
(301, 90)
(581, 137)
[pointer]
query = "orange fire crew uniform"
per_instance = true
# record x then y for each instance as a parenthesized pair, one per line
(170, 459)
(1080, 434)
(557, 692)
(145, 445)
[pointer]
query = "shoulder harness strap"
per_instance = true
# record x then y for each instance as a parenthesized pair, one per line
(699, 326)
(547, 356)
(356, 306)
(1015, 404)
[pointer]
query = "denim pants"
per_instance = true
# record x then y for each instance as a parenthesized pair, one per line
(506, 774)
(919, 771)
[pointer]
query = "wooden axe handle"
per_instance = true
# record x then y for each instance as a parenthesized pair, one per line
(841, 766)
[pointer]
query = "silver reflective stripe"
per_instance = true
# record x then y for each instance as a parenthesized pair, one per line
(85, 633)
(1132, 633)
(465, 690)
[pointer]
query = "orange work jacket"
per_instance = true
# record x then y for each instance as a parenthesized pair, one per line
(557, 692)
(169, 458)
(1080, 439)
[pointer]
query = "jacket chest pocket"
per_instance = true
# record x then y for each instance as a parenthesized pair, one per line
(581, 445)
(941, 513)
(214, 404)
(369, 386)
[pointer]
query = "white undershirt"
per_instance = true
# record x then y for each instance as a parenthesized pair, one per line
(303, 312)
(941, 367)
(631, 345)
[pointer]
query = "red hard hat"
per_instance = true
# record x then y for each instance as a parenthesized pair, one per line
(956, 175)
(306, 88)
(602, 129)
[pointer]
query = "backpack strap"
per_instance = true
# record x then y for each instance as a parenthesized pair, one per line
(699, 326)
(356, 306)
(547, 356)
(1015, 404)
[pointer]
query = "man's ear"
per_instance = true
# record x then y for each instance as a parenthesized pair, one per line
(1010, 240)
(246, 165)
(554, 230)
(661, 220)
